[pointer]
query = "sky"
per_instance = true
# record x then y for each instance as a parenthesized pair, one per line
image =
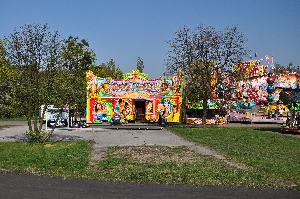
(126, 29)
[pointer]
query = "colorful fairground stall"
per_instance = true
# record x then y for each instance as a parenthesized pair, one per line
(259, 92)
(216, 113)
(133, 98)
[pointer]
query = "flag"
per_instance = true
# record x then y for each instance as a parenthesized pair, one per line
(268, 58)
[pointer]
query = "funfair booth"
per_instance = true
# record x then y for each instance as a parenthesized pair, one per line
(260, 90)
(216, 113)
(133, 98)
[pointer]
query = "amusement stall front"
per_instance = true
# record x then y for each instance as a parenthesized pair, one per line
(259, 91)
(133, 98)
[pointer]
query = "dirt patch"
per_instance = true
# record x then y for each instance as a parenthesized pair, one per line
(157, 154)
(97, 154)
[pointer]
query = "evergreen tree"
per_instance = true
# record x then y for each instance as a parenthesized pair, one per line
(140, 64)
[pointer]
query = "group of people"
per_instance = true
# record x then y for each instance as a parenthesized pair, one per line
(293, 121)
(276, 113)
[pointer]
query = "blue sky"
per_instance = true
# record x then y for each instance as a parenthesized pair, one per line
(126, 29)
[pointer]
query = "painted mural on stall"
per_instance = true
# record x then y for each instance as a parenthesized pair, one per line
(107, 97)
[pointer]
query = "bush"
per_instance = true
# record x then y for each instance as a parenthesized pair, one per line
(38, 136)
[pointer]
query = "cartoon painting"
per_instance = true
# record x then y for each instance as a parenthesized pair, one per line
(102, 109)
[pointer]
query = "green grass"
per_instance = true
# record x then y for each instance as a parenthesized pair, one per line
(273, 160)
(154, 164)
(275, 157)
(57, 159)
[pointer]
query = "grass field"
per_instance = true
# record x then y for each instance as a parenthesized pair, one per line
(273, 160)
(58, 159)
(272, 155)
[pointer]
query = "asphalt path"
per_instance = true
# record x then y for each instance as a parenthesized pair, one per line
(38, 187)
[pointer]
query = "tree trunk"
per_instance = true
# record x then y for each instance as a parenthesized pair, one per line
(35, 124)
(41, 117)
(183, 108)
(204, 111)
(29, 123)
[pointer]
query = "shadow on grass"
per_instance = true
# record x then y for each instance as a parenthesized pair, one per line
(54, 137)
(277, 130)
(272, 129)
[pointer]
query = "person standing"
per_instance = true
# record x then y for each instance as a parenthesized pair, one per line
(281, 111)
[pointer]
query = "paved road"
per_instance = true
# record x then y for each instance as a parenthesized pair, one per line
(14, 131)
(39, 187)
(103, 137)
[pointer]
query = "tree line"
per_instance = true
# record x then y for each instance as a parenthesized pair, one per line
(38, 66)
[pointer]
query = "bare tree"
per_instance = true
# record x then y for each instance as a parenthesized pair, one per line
(206, 48)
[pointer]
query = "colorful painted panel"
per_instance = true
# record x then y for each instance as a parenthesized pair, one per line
(211, 104)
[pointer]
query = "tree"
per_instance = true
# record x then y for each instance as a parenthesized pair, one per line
(111, 65)
(6, 81)
(107, 70)
(140, 64)
(199, 88)
(33, 50)
(77, 55)
(285, 98)
(280, 69)
(114, 72)
(77, 59)
(205, 46)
